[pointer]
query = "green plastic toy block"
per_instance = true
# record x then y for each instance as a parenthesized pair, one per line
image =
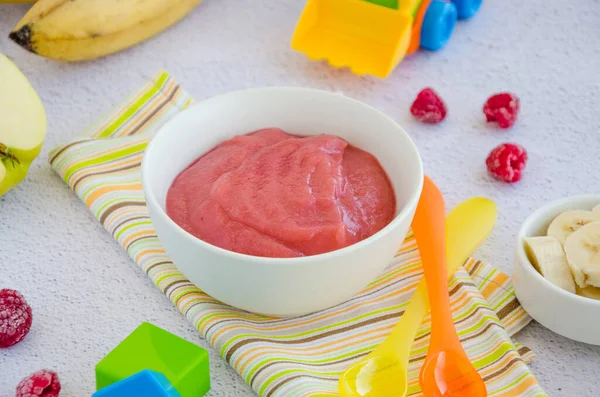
(184, 364)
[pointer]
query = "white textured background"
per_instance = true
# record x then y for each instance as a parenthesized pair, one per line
(86, 293)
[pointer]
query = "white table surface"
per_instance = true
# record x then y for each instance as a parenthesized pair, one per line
(86, 293)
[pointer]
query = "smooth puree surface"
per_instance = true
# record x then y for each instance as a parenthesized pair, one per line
(273, 194)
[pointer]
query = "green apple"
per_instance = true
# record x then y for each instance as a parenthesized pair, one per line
(22, 125)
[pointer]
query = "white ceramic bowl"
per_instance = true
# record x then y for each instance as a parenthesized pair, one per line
(567, 314)
(286, 286)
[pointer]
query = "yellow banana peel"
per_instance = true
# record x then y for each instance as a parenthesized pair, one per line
(77, 30)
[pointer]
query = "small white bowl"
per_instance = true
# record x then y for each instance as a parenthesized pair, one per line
(281, 286)
(573, 316)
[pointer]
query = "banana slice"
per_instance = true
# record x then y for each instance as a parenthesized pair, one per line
(583, 255)
(596, 211)
(568, 222)
(547, 256)
(589, 292)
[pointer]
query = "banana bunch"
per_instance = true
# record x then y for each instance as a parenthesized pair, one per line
(569, 256)
(76, 30)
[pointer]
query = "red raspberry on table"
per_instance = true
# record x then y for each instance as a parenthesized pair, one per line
(15, 317)
(502, 108)
(506, 162)
(428, 107)
(43, 383)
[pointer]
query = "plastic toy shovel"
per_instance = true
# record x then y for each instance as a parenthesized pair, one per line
(383, 373)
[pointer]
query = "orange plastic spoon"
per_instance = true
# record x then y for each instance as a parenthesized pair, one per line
(447, 371)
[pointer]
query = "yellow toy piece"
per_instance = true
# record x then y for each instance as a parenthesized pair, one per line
(366, 37)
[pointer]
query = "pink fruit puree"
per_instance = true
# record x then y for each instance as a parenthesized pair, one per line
(273, 194)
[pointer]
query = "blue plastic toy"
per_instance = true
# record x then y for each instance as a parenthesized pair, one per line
(145, 383)
(438, 24)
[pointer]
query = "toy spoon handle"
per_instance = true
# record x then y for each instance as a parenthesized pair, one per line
(467, 226)
(430, 232)
(408, 325)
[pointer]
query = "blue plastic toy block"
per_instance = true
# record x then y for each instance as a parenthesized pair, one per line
(145, 383)
(183, 363)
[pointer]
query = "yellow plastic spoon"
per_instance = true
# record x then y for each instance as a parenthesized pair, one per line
(383, 373)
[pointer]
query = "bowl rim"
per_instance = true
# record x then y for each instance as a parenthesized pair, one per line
(540, 213)
(396, 221)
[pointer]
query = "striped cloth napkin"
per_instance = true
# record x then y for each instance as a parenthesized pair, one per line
(285, 357)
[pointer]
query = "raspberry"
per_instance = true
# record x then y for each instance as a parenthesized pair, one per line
(428, 107)
(43, 383)
(506, 162)
(502, 108)
(15, 317)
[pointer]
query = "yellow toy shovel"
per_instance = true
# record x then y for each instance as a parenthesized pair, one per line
(366, 37)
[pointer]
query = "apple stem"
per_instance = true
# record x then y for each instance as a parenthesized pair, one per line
(6, 153)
